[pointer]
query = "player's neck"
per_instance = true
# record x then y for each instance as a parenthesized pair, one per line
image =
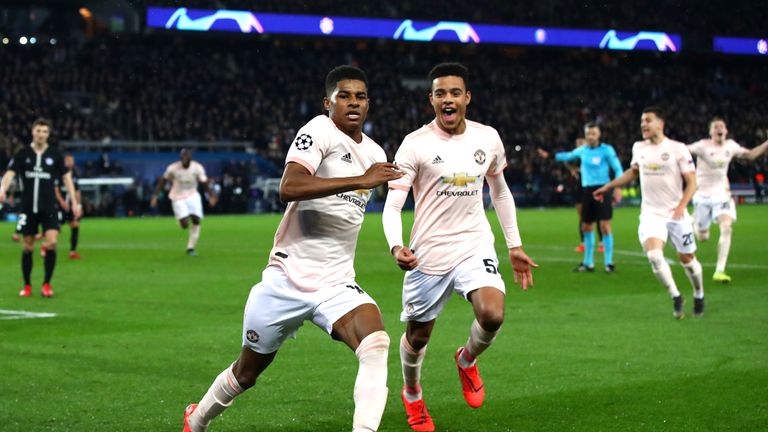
(657, 139)
(458, 130)
(39, 148)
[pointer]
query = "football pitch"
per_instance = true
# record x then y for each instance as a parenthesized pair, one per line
(141, 330)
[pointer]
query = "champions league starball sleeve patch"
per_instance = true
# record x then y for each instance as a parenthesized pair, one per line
(303, 142)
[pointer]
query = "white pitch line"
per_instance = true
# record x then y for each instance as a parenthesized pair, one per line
(17, 314)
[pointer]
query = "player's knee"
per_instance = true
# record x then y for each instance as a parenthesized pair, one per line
(374, 346)
(656, 258)
(246, 377)
(418, 341)
(184, 223)
(726, 228)
(491, 319)
(686, 258)
(702, 234)
(50, 245)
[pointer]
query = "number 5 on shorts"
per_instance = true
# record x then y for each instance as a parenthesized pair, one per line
(489, 266)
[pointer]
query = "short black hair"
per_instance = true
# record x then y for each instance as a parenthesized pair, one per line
(450, 69)
(590, 125)
(41, 122)
(656, 110)
(343, 72)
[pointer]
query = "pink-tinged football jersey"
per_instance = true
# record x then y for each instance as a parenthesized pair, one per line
(184, 180)
(661, 174)
(315, 242)
(447, 173)
(712, 166)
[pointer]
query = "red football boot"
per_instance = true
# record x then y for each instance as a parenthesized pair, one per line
(418, 416)
(471, 383)
(47, 291)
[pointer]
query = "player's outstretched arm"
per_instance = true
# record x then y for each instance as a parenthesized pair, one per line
(757, 151)
(5, 183)
(521, 266)
(298, 184)
(628, 176)
(393, 229)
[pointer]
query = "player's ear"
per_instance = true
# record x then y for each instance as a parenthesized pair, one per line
(326, 103)
(469, 97)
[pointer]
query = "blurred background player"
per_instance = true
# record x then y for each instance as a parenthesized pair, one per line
(662, 165)
(597, 160)
(39, 166)
(65, 205)
(185, 175)
(329, 171)
(712, 201)
(452, 245)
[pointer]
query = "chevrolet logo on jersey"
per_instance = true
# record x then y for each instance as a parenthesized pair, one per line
(652, 167)
(460, 179)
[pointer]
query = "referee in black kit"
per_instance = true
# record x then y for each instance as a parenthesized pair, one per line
(39, 166)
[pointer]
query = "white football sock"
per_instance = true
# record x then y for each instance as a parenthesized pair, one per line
(479, 340)
(194, 235)
(370, 393)
(662, 271)
(411, 361)
(723, 246)
(694, 273)
(219, 397)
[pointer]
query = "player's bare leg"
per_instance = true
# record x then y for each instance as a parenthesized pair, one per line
(694, 273)
(231, 382)
(28, 247)
(655, 253)
(488, 305)
(363, 331)
(413, 348)
(194, 235)
(723, 248)
(51, 239)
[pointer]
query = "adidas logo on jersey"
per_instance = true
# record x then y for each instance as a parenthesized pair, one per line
(437, 160)
(347, 158)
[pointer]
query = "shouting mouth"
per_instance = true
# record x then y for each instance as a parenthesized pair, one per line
(449, 115)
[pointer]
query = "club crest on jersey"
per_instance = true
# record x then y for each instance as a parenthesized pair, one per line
(665, 156)
(460, 179)
(252, 336)
(49, 161)
(480, 157)
(303, 142)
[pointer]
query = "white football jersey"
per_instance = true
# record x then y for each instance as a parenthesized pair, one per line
(661, 174)
(316, 239)
(712, 166)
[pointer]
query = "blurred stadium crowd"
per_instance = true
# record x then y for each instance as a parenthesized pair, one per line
(213, 88)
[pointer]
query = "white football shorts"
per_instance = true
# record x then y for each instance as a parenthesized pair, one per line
(193, 205)
(425, 295)
(276, 309)
(707, 210)
(679, 232)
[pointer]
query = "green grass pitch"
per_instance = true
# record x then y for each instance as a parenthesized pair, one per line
(141, 330)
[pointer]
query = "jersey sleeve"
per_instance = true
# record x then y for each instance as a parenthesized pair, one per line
(309, 147)
(61, 167)
(695, 147)
(406, 160)
(569, 156)
(499, 161)
(738, 150)
(613, 160)
(634, 162)
(685, 160)
(168, 175)
(15, 163)
(201, 177)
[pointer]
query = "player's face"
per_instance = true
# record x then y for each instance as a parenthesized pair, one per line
(651, 125)
(186, 158)
(69, 161)
(40, 134)
(592, 136)
(348, 106)
(718, 131)
(449, 98)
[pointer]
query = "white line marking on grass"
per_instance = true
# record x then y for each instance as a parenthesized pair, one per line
(636, 254)
(17, 314)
